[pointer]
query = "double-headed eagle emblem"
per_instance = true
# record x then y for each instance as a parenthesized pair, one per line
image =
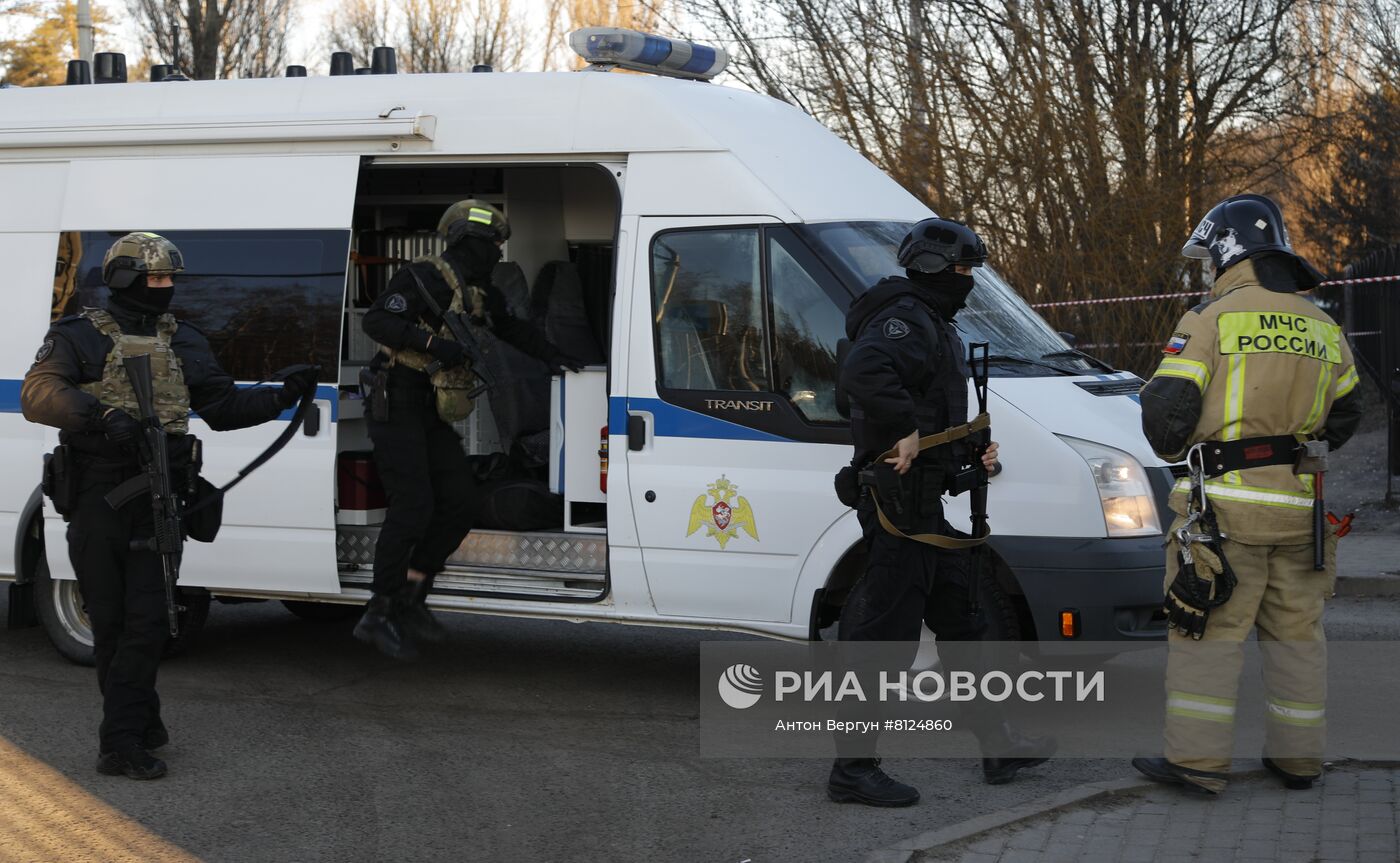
(723, 518)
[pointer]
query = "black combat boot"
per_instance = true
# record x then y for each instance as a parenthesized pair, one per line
(1196, 781)
(382, 626)
(155, 737)
(1291, 781)
(1010, 751)
(417, 620)
(860, 780)
(131, 763)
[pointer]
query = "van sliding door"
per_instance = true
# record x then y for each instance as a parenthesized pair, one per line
(266, 243)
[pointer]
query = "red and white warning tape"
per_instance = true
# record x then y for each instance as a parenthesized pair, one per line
(1370, 280)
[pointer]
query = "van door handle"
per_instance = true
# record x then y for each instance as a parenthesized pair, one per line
(636, 432)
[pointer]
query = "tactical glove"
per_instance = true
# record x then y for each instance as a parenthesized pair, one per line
(297, 385)
(562, 363)
(447, 352)
(121, 428)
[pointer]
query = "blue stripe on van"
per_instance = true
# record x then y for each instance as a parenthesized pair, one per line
(9, 399)
(673, 421)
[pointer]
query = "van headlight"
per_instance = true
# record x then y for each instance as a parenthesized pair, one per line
(1124, 492)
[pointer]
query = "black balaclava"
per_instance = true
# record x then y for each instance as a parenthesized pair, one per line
(945, 290)
(142, 298)
(476, 256)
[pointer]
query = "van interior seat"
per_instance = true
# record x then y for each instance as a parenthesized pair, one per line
(557, 302)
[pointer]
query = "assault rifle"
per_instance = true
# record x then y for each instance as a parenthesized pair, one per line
(978, 361)
(165, 502)
(461, 333)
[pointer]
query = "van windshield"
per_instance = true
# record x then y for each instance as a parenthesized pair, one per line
(863, 253)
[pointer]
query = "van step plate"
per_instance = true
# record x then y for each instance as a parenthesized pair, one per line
(580, 555)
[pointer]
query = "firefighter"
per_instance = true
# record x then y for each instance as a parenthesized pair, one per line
(79, 386)
(905, 377)
(424, 381)
(1247, 380)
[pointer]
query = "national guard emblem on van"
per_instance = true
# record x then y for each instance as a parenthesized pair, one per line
(723, 518)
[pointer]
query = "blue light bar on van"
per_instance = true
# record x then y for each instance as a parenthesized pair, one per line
(643, 52)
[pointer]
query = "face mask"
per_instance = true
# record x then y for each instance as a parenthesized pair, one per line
(949, 289)
(143, 298)
(479, 254)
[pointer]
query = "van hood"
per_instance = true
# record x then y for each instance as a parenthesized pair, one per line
(1099, 408)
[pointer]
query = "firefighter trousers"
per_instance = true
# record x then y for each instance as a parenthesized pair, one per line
(1281, 594)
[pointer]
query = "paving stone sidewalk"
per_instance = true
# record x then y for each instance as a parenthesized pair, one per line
(1353, 817)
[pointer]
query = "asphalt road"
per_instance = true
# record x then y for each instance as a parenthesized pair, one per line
(518, 740)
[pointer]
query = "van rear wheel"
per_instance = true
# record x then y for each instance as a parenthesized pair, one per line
(59, 604)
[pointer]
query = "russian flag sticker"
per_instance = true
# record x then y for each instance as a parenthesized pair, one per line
(1177, 343)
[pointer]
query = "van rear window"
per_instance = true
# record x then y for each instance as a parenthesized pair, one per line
(265, 299)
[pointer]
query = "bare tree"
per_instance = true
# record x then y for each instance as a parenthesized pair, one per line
(1083, 138)
(432, 35)
(208, 39)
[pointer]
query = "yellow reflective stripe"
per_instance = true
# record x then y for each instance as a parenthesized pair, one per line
(1324, 374)
(1234, 408)
(1250, 494)
(1176, 367)
(1206, 707)
(476, 214)
(1300, 713)
(1279, 333)
(1347, 382)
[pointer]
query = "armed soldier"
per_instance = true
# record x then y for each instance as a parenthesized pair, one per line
(906, 376)
(1255, 385)
(79, 385)
(422, 381)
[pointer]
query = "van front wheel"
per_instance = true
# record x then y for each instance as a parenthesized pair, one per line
(59, 604)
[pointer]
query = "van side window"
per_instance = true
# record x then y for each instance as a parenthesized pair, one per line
(807, 323)
(707, 302)
(265, 299)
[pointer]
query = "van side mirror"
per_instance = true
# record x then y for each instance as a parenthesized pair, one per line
(1070, 338)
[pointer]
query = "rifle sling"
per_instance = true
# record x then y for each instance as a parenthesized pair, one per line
(947, 436)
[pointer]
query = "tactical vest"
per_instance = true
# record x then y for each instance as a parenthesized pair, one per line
(451, 386)
(114, 390)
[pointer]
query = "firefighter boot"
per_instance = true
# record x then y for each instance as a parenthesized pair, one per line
(417, 620)
(1291, 781)
(1196, 781)
(382, 626)
(1006, 751)
(860, 780)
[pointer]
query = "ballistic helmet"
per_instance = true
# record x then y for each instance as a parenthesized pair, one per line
(934, 245)
(138, 254)
(473, 218)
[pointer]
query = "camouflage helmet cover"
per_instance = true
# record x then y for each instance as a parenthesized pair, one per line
(138, 254)
(473, 218)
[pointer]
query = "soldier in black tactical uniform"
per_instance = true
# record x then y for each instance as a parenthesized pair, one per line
(906, 376)
(78, 385)
(422, 382)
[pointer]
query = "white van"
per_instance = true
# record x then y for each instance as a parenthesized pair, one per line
(708, 238)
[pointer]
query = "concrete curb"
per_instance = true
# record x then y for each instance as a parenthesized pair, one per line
(1381, 584)
(933, 840)
(903, 851)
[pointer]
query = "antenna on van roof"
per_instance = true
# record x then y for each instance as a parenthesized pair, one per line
(109, 67)
(384, 62)
(607, 47)
(296, 71)
(79, 72)
(342, 63)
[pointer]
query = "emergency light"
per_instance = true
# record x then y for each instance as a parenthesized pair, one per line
(642, 52)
